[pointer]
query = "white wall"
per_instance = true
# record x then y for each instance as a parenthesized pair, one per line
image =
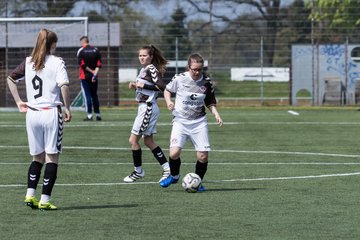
(254, 74)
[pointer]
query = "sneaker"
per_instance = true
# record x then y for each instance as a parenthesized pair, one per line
(134, 176)
(201, 188)
(168, 181)
(31, 202)
(98, 118)
(166, 173)
(47, 206)
(88, 119)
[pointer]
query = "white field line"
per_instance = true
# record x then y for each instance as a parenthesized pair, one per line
(209, 181)
(129, 124)
(214, 150)
(210, 163)
(288, 178)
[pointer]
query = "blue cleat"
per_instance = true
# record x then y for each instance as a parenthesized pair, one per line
(201, 188)
(168, 181)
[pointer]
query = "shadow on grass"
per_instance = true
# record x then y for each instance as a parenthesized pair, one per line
(232, 189)
(88, 207)
(227, 189)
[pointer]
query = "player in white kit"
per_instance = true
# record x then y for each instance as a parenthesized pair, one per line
(45, 78)
(194, 91)
(147, 86)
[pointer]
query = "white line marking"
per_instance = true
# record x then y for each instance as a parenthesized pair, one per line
(293, 113)
(210, 163)
(129, 124)
(288, 178)
(214, 150)
(209, 181)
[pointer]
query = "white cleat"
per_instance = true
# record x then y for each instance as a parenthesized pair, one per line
(134, 176)
(166, 173)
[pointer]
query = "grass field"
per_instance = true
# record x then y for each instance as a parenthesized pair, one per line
(272, 175)
(238, 89)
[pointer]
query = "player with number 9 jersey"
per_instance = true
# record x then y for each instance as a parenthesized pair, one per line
(45, 78)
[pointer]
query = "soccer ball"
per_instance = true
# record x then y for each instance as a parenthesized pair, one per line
(191, 182)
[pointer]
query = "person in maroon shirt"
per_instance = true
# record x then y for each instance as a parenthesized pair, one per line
(89, 60)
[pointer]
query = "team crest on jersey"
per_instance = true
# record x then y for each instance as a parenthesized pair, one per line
(143, 75)
(202, 89)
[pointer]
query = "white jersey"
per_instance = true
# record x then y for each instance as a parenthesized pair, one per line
(42, 87)
(191, 96)
(151, 78)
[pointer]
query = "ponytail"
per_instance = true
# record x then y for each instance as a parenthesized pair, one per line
(158, 59)
(42, 47)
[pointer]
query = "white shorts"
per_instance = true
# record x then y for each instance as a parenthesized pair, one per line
(197, 132)
(44, 130)
(146, 119)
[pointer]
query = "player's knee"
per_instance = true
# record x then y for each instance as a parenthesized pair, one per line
(174, 154)
(202, 157)
(133, 142)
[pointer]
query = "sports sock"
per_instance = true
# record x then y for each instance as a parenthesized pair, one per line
(137, 157)
(174, 166)
(201, 168)
(138, 169)
(89, 115)
(45, 198)
(159, 155)
(49, 178)
(165, 166)
(33, 177)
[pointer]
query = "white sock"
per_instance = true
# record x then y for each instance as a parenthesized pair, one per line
(138, 169)
(89, 115)
(98, 115)
(165, 166)
(30, 192)
(176, 176)
(45, 198)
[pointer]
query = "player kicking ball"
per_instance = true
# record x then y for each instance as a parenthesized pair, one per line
(46, 77)
(194, 91)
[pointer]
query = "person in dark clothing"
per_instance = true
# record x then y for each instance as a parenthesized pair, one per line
(89, 59)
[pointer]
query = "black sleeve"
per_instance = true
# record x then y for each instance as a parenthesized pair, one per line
(155, 77)
(151, 87)
(18, 72)
(210, 94)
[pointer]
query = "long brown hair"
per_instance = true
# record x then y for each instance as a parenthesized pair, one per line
(42, 47)
(158, 59)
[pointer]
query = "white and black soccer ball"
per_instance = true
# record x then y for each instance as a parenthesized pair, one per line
(191, 182)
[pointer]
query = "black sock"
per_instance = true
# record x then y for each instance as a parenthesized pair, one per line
(159, 155)
(34, 174)
(174, 166)
(49, 178)
(201, 168)
(137, 157)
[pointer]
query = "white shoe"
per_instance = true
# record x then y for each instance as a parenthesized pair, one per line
(134, 176)
(166, 173)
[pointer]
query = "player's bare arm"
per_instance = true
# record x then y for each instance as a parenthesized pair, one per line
(14, 91)
(66, 97)
(216, 114)
(132, 85)
(170, 104)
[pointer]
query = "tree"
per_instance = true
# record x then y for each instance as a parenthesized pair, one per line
(335, 19)
(268, 18)
(176, 29)
(295, 28)
(338, 13)
(41, 8)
